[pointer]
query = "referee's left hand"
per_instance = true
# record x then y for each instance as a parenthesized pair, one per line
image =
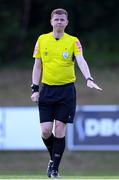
(91, 84)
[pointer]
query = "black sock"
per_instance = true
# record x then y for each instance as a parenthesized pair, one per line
(49, 144)
(58, 149)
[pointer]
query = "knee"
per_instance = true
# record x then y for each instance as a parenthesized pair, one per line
(46, 133)
(60, 130)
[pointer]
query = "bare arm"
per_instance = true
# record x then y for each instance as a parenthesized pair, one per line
(83, 66)
(36, 76)
(86, 72)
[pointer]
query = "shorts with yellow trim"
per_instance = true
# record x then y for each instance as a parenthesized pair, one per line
(57, 102)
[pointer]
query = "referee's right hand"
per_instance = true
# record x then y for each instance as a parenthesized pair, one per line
(35, 96)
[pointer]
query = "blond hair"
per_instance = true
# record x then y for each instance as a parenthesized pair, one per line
(59, 11)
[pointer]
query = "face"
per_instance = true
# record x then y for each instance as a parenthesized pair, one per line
(59, 22)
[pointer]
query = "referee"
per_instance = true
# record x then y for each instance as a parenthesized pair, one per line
(54, 67)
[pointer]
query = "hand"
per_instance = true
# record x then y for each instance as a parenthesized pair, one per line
(35, 96)
(91, 84)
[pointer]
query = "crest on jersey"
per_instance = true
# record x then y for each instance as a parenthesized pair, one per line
(65, 55)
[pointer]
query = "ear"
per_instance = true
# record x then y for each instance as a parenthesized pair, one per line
(67, 21)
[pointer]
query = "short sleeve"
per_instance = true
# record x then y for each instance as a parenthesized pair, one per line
(36, 53)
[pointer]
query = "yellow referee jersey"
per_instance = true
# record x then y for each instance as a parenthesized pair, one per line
(57, 58)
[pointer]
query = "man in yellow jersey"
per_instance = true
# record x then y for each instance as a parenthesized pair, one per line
(54, 65)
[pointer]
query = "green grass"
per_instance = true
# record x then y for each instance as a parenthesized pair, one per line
(63, 178)
(74, 165)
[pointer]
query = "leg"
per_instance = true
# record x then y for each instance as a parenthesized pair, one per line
(46, 122)
(59, 145)
(48, 139)
(64, 113)
(46, 129)
(47, 136)
(60, 129)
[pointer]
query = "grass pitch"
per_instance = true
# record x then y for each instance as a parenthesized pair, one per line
(74, 165)
(30, 177)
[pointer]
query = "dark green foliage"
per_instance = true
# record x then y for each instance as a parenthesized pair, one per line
(94, 22)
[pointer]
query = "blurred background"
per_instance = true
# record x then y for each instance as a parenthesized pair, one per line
(96, 24)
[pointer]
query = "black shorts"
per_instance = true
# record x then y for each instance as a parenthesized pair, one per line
(57, 103)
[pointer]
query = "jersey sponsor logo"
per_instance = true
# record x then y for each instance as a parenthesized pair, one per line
(65, 55)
